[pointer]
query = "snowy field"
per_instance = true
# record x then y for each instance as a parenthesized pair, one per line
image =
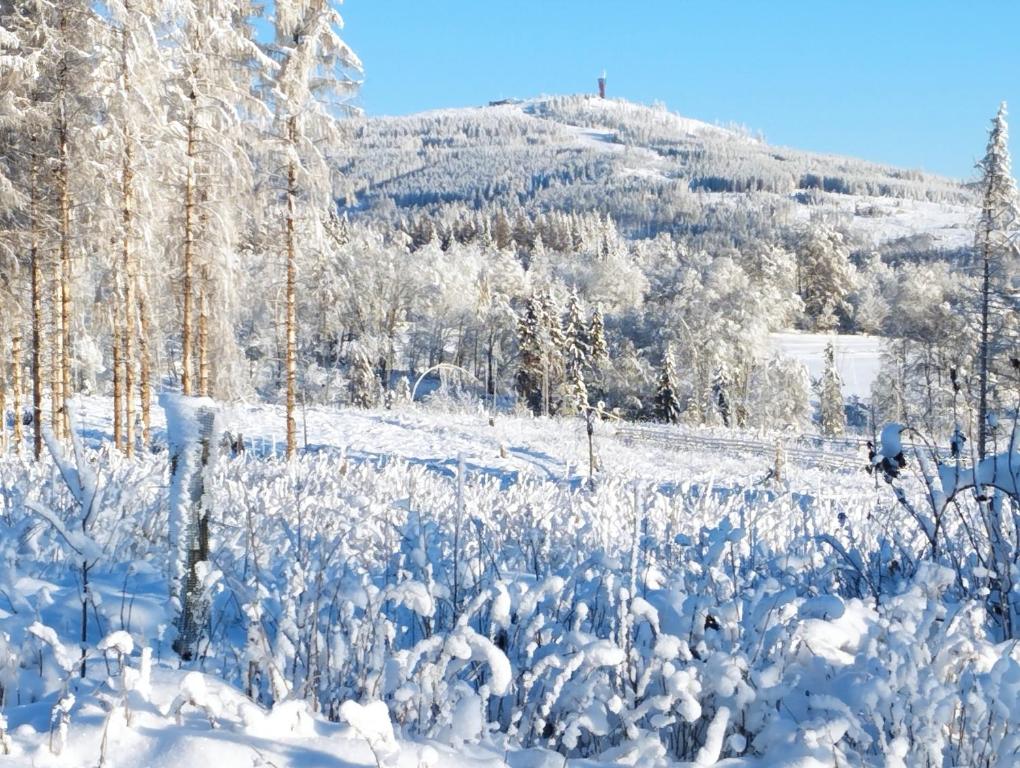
(367, 604)
(858, 358)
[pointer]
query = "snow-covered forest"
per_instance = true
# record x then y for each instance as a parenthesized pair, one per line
(473, 437)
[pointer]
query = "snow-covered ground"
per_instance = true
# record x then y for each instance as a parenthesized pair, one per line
(858, 358)
(506, 447)
(367, 605)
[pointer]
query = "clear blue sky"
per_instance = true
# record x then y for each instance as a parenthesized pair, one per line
(908, 82)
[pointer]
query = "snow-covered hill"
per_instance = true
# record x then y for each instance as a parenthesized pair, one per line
(649, 168)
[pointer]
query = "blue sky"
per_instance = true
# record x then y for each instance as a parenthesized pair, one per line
(908, 82)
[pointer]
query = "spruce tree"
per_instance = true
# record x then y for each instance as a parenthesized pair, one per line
(597, 340)
(996, 248)
(667, 401)
(831, 396)
(531, 367)
(577, 352)
(365, 389)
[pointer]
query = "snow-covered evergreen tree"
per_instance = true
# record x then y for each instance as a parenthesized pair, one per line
(825, 276)
(532, 349)
(667, 401)
(833, 413)
(599, 355)
(998, 252)
(577, 353)
(365, 389)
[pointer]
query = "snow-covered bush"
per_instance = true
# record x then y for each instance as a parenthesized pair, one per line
(694, 622)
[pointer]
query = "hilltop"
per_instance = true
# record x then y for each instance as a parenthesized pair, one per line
(650, 169)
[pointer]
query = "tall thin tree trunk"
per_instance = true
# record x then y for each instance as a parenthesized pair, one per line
(16, 387)
(203, 337)
(65, 286)
(37, 310)
(291, 321)
(145, 362)
(118, 378)
(984, 351)
(3, 406)
(127, 264)
(188, 266)
(61, 303)
(128, 316)
(56, 351)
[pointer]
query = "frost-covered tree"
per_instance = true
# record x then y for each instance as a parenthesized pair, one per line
(997, 247)
(577, 355)
(667, 401)
(871, 301)
(532, 354)
(781, 391)
(133, 69)
(47, 77)
(311, 89)
(825, 276)
(215, 117)
(597, 339)
(365, 389)
(830, 395)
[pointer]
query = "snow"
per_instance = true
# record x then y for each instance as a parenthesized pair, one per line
(891, 440)
(858, 358)
(119, 641)
(372, 723)
(719, 617)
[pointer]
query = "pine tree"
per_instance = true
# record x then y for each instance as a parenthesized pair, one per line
(597, 339)
(555, 341)
(531, 344)
(365, 389)
(667, 402)
(833, 413)
(996, 248)
(47, 79)
(577, 353)
(825, 276)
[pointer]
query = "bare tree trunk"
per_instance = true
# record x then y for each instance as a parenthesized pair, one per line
(118, 378)
(56, 353)
(188, 266)
(37, 313)
(127, 264)
(984, 353)
(65, 287)
(3, 406)
(291, 321)
(16, 386)
(61, 331)
(145, 362)
(127, 318)
(203, 337)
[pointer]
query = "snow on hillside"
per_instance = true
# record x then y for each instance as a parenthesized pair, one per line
(567, 152)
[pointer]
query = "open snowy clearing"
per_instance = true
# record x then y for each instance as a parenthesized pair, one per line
(367, 605)
(858, 358)
(508, 447)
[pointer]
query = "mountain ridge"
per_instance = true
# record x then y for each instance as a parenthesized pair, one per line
(651, 169)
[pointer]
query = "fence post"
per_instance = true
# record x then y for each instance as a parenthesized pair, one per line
(191, 423)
